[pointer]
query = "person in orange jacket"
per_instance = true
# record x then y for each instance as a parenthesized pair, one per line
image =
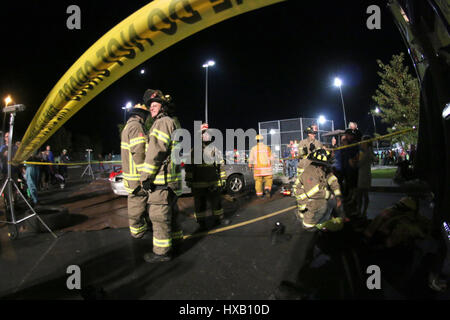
(261, 161)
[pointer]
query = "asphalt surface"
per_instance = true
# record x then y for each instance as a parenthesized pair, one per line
(243, 263)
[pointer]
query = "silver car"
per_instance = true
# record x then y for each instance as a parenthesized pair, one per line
(239, 176)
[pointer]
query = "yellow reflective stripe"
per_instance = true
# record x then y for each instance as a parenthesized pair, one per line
(299, 170)
(138, 139)
(135, 143)
(301, 197)
(308, 225)
(327, 194)
(337, 192)
(313, 191)
(218, 212)
(132, 178)
(124, 146)
(331, 179)
(138, 230)
(159, 137)
(161, 178)
(162, 133)
(302, 207)
(128, 189)
(149, 168)
(164, 243)
(177, 234)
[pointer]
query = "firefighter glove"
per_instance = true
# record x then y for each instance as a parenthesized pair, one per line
(305, 150)
(312, 147)
(147, 185)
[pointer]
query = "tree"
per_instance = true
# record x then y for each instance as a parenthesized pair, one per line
(398, 98)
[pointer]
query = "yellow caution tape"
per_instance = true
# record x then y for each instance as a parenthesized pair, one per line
(148, 31)
(67, 164)
(392, 134)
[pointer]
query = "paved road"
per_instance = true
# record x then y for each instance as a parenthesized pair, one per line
(241, 263)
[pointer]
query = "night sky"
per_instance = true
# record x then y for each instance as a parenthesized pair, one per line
(274, 63)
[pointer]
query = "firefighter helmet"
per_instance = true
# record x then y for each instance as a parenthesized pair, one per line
(311, 130)
(141, 106)
(320, 156)
(151, 95)
(259, 137)
(408, 203)
(204, 127)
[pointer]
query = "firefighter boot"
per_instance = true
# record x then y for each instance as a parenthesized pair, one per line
(267, 193)
(151, 257)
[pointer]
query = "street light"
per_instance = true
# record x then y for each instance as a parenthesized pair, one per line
(7, 100)
(377, 110)
(142, 71)
(206, 65)
(320, 120)
(127, 107)
(338, 83)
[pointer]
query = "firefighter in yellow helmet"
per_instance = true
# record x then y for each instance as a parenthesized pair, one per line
(207, 180)
(316, 185)
(133, 144)
(161, 177)
(261, 161)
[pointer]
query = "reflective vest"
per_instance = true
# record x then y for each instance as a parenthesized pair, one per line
(261, 159)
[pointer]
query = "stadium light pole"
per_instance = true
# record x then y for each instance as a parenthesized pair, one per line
(320, 120)
(377, 110)
(127, 107)
(338, 83)
(206, 65)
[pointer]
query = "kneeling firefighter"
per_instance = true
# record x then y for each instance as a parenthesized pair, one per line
(132, 148)
(314, 190)
(161, 177)
(207, 180)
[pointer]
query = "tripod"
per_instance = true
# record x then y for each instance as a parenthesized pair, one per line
(8, 185)
(88, 167)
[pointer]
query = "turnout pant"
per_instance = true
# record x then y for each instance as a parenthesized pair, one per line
(263, 183)
(203, 196)
(163, 212)
(137, 209)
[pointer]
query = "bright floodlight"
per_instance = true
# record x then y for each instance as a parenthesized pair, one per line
(377, 110)
(337, 82)
(142, 71)
(8, 100)
(322, 119)
(210, 63)
(129, 105)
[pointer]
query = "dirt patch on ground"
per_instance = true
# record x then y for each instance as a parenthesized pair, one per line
(107, 210)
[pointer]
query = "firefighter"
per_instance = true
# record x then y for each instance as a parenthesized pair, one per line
(133, 144)
(207, 180)
(308, 145)
(261, 161)
(314, 190)
(161, 177)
